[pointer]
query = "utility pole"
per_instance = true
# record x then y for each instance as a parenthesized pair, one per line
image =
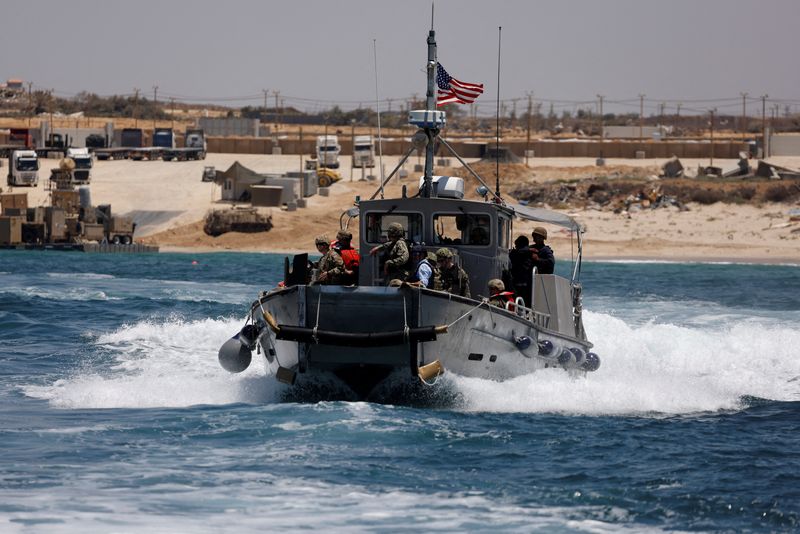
(135, 107)
(30, 103)
(641, 117)
(744, 115)
(528, 139)
(764, 126)
(712, 111)
(353, 143)
(602, 122)
(155, 104)
(172, 111)
(276, 93)
(51, 104)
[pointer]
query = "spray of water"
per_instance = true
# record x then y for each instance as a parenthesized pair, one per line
(646, 369)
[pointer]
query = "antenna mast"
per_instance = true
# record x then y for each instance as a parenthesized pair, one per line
(378, 109)
(430, 105)
(497, 115)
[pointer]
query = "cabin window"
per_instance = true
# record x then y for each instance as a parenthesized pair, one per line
(503, 233)
(462, 229)
(378, 226)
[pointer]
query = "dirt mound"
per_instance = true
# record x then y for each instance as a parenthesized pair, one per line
(618, 194)
(249, 220)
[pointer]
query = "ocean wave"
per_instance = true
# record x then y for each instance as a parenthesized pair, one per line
(316, 504)
(81, 276)
(61, 294)
(161, 364)
(648, 369)
(654, 369)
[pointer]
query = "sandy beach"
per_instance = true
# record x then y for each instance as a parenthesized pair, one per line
(169, 201)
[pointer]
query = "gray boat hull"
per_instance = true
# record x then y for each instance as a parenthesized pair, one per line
(481, 341)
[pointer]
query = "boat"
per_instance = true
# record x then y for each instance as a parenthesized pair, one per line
(376, 341)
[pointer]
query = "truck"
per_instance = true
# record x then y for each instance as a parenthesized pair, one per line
(163, 138)
(131, 138)
(116, 229)
(328, 151)
(363, 151)
(194, 147)
(81, 174)
(196, 139)
(23, 168)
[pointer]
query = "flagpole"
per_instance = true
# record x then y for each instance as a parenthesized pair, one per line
(497, 115)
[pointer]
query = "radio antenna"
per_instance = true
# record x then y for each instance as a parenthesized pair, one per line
(497, 115)
(378, 109)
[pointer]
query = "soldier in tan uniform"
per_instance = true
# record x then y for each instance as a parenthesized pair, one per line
(395, 266)
(331, 265)
(453, 278)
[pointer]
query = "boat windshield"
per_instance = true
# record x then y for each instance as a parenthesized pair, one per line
(378, 226)
(462, 229)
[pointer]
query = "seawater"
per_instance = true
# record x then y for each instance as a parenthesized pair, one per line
(117, 418)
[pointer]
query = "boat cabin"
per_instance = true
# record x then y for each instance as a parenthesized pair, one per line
(478, 233)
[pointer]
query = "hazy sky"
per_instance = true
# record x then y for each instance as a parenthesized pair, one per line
(318, 53)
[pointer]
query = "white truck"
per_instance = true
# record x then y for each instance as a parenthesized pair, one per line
(81, 174)
(363, 151)
(328, 151)
(23, 168)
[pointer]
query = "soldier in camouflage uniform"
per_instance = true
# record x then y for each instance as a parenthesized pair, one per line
(498, 296)
(453, 278)
(395, 266)
(331, 265)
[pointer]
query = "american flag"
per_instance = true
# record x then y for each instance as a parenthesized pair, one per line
(454, 91)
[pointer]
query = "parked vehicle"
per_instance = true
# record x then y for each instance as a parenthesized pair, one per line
(96, 141)
(363, 151)
(194, 147)
(81, 174)
(131, 138)
(328, 150)
(116, 229)
(209, 174)
(196, 139)
(163, 138)
(23, 168)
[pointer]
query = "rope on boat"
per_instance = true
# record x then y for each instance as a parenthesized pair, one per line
(470, 311)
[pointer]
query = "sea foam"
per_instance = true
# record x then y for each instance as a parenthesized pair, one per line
(650, 368)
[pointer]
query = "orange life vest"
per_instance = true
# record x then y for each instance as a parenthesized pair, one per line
(351, 258)
(509, 296)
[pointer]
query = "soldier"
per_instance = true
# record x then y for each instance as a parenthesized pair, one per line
(498, 296)
(331, 265)
(454, 278)
(394, 267)
(349, 255)
(522, 268)
(542, 255)
(425, 274)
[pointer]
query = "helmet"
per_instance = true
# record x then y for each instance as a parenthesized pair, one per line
(497, 285)
(395, 230)
(431, 257)
(322, 240)
(540, 232)
(443, 253)
(344, 234)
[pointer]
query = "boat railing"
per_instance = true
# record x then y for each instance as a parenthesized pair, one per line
(536, 317)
